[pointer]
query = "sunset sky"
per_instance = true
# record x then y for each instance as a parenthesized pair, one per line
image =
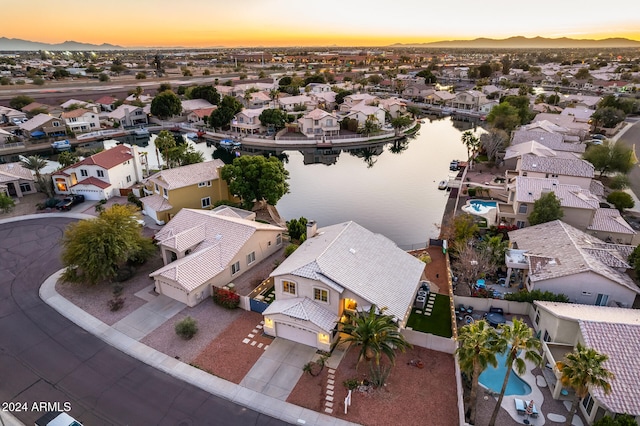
(230, 23)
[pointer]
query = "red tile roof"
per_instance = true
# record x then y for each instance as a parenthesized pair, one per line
(109, 158)
(106, 100)
(75, 113)
(94, 181)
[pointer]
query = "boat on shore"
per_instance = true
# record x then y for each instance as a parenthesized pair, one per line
(443, 185)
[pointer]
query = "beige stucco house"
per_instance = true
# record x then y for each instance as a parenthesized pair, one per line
(15, 180)
(203, 249)
(196, 186)
(319, 123)
(248, 121)
(612, 331)
(337, 271)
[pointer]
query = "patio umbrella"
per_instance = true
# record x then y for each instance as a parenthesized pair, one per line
(529, 409)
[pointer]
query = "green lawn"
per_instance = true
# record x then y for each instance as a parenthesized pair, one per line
(438, 323)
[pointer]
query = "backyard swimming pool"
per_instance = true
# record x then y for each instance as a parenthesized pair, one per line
(492, 378)
(481, 206)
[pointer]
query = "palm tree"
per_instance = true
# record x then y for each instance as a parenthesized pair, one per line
(582, 370)
(36, 163)
(495, 247)
(515, 339)
(472, 143)
(476, 351)
(164, 143)
(377, 334)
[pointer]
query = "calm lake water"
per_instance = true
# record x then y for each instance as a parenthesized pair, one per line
(392, 193)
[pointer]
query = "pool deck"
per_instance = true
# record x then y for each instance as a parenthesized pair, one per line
(551, 412)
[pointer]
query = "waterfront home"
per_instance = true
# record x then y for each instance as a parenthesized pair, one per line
(358, 99)
(468, 100)
(362, 112)
(199, 117)
(128, 116)
(559, 258)
(102, 175)
(610, 330)
(319, 123)
(552, 140)
(15, 180)
(248, 122)
(394, 106)
(43, 125)
(338, 270)
(417, 92)
(189, 105)
(81, 120)
(578, 128)
(196, 186)
(440, 97)
(203, 249)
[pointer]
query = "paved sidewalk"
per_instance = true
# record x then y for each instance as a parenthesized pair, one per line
(242, 395)
(149, 316)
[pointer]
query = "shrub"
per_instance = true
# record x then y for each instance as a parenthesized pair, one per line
(621, 200)
(290, 249)
(530, 296)
(619, 181)
(472, 192)
(226, 298)
(186, 328)
(134, 200)
(297, 228)
(426, 258)
(351, 384)
(116, 303)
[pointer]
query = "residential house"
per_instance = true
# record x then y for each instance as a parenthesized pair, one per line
(196, 186)
(316, 88)
(559, 258)
(43, 125)
(129, 116)
(363, 112)
(76, 103)
(102, 175)
(578, 128)
(37, 107)
(9, 115)
(610, 226)
(199, 117)
(440, 97)
(81, 120)
(581, 115)
(202, 249)
(417, 92)
(612, 331)
(357, 99)
(5, 137)
(552, 140)
(137, 99)
(190, 105)
(255, 100)
(469, 100)
(488, 106)
(338, 270)
(325, 100)
(394, 106)
(107, 103)
(15, 180)
(248, 121)
(293, 103)
(319, 123)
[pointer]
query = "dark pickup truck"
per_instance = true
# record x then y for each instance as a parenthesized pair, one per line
(69, 202)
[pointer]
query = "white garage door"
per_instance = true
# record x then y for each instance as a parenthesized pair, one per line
(296, 334)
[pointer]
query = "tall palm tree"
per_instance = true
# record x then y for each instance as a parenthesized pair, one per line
(515, 339)
(495, 247)
(377, 334)
(582, 370)
(36, 163)
(476, 351)
(472, 143)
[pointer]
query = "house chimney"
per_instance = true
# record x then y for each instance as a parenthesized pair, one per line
(312, 229)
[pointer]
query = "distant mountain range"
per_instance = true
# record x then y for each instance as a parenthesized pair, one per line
(11, 44)
(528, 43)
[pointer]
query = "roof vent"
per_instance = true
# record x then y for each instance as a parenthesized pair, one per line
(352, 251)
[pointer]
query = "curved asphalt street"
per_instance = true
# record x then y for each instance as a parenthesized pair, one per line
(45, 358)
(631, 138)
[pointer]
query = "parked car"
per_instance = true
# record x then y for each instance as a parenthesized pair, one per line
(69, 202)
(598, 136)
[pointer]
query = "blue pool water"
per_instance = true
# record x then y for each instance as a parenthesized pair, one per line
(478, 204)
(492, 378)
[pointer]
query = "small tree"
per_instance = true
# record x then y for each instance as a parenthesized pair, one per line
(67, 158)
(546, 209)
(20, 101)
(166, 104)
(297, 228)
(6, 203)
(621, 200)
(186, 328)
(610, 158)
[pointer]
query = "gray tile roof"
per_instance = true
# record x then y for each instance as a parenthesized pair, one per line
(528, 190)
(577, 311)
(556, 249)
(305, 309)
(370, 265)
(557, 165)
(179, 177)
(217, 240)
(156, 202)
(621, 344)
(610, 220)
(596, 187)
(554, 141)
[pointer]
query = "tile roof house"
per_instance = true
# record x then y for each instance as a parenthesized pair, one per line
(43, 125)
(198, 116)
(339, 269)
(289, 103)
(394, 106)
(559, 258)
(363, 112)
(610, 226)
(129, 116)
(203, 249)
(15, 180)
(248, 121)
(318, 123)
(107, 103)
(5, 137)
(555, 141)
(575, 127)
(194, 186)
(81, 120)
(612, 331)
(102, 175)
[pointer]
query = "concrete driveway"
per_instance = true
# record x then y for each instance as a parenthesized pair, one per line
(279, 368)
